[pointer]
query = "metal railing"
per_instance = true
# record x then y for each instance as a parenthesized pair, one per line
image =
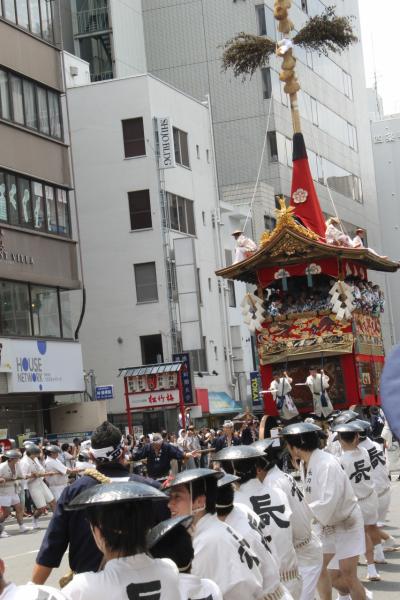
(90, 21)
(101, 76)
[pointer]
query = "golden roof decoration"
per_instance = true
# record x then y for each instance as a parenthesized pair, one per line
(285, 220)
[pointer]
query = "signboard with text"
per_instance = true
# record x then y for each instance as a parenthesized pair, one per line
(104, 392)
(156, 399)
(42, 366)
(166, 143)
(255, 386)
(186, 375)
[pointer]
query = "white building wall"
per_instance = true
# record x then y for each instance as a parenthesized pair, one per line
(110, 249)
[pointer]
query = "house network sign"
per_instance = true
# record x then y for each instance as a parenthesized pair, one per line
(11, 257)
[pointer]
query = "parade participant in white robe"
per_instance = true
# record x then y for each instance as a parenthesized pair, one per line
(9, 499)
(280, 388)
(335, 236)
(271, 505)
(237, 575)
(332, 501)
(10, 591)
(120, 515)
(380, 477)
(244, 246)
(40, 493)
(319, 384)
(333, 444)
(306, 544)
(57, 483)
(171, 539)
(246, 522)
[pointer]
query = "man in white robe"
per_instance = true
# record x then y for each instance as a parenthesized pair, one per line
(244, 246)
(58, 482)
(318, 384)
(237, 574)
(280, 388)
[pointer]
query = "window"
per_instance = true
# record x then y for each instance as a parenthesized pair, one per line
(45, 311)
(208, 155)
(152, 349)
(304, 6)
(261, 21)
(199, 287)
(203, 217)
(266, 83)
(35, 17)
(198, 359)
(17, 99)
(272, 146)
(181, 147)
(4, 95)
(231, 293)
(15, 318)
(66, 319)
(30, 104)
(209, 284)
(30, 203)
(47, 19)
(3, 198)
(146, 282)
(197, 151)
(133, 133)
(228, 258)
(140, 209)
(9, 10)
(62, 212)
(43, 110)
(38, 206)
(181, 215)
(22, 14)
(54, 114)
(269, 222)
(51, 210)
(25, 204)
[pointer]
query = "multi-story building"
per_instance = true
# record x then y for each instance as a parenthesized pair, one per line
(39, 357)
(184, 44)
(385, 132)
(149, 227)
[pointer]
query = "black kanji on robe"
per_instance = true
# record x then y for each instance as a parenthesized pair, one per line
(376, 457)
(262, 507)
(244, 551)
(149, 590)
(361, 471)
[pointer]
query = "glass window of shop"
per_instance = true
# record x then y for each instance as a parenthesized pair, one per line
(45, 311)
(15, 318)
(22, 13)
(32, 204)
(33, 310)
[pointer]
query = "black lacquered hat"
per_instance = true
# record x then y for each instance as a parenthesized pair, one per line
(114, 493)
(299, 428)
(238, 453)
(352, 427)
(191, 475)
(345, 417)
(227, 479)
(159, 531)
(10, 454)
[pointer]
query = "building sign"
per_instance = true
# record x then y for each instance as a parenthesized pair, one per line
(255, 386)
(156, 399)
(387, 137)
(104, 392)
(42, 366)
(186, 375)
(166, 143)
(13, 256)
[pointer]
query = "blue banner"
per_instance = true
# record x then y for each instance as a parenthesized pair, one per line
(186, 376)
(255, 386)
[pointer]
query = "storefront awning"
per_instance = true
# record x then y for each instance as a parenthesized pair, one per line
(221, 402)
(150, 369)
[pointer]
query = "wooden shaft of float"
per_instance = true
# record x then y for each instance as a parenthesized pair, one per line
(294, 109)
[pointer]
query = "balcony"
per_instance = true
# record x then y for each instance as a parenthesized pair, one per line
(93, 21)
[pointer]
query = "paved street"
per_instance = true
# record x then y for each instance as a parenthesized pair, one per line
(19, 552)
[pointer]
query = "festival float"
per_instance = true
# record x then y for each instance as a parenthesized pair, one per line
(315, 304)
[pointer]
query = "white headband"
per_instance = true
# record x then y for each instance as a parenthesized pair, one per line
(110, 453)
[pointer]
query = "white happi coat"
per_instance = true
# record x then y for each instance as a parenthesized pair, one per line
(244, 245)
(245, 521)
(283, 388)
(306, 543)
(9, 488)
(57, 483)
(317, 385)
(379, 472)
(29, 466)
(222, 555)
(357, 466)
(136, 576)
(333, 445)
(31, 591)
(327, 489)
(194, 588)
(272, 506)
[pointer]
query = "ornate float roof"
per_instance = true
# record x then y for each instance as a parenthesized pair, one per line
(290, 243)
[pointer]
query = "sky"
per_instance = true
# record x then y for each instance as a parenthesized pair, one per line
(380, 21)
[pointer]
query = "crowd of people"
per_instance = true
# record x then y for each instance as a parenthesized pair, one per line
(153, 535)
(367, 298)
